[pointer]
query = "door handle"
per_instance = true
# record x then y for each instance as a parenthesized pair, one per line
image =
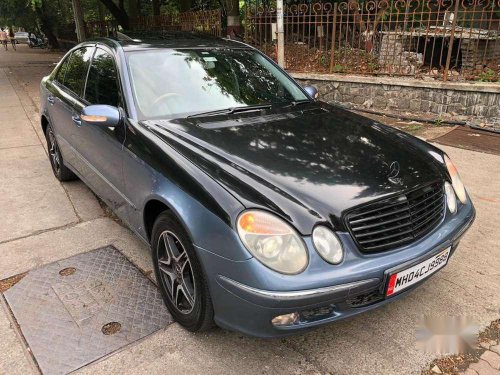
(77, 120)
(50, 99)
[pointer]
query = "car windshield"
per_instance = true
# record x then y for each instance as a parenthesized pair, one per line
(176, 83)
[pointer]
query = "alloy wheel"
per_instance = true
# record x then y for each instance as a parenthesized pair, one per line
(54, 152)
(176, 272)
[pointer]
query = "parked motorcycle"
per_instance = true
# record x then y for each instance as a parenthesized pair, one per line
(37, 42)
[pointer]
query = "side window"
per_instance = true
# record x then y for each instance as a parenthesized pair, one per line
(102, 82)
(77, 70)
(62, 70)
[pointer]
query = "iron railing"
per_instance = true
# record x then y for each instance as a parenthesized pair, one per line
(457, 39)
(205, 21)
(101, 28)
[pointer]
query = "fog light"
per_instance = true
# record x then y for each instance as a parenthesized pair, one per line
(327, 245)
(285, 320)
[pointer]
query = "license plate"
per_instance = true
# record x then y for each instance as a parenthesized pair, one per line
(404, 279)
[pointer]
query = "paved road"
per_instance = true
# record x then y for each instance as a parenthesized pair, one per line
(44, 221)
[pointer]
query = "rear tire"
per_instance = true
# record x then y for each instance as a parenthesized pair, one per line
(61, 172)
(179, 274)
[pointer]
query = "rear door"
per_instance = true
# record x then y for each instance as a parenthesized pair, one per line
(67, 86)
(57, 103)
(101, 147)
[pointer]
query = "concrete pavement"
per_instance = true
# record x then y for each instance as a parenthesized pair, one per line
(44, 221)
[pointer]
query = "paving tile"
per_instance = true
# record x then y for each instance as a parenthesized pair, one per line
(12, 358)
(483, 368)
(34, 251)
(31, 198)
(492, 358)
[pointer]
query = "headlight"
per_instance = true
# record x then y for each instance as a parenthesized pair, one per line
(272, 241)
(327, 245)
(451, 201)
(455, 180)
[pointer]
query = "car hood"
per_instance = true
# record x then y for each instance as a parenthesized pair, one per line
(308, 164)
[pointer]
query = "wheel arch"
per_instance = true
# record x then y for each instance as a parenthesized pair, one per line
(152, 209)
(205, 231)
(44, 122)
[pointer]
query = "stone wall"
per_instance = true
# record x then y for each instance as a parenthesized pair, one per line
(394, 55)
(481, 101)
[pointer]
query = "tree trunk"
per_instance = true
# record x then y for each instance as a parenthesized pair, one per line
(185, 5)
(51, 37)
(156, 7)
(101, 10)
(119, 14)
(133, 8)
(233, 18)
(79, 22)
(46, 25)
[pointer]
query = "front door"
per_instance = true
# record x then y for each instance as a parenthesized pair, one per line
(100, 148)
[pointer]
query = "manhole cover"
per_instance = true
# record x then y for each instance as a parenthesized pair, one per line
(69, 322)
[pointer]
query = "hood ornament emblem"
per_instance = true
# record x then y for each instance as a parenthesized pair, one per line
(393, 174)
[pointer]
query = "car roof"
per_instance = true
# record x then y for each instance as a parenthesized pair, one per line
(144, 41)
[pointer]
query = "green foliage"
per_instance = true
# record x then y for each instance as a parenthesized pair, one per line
(90, 10)
(438, 121)
(487, 75)
(17, 13)
(32, 14)
(413, 128)
(324, 60)
(338, 68)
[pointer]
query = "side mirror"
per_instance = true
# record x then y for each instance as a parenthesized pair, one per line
(312, 91)
(101, 115)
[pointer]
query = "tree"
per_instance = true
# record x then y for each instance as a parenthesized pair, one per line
(79, 21)
(45, 17)
(156, 7)
(18, 13)
(233, 17)
(118, 12)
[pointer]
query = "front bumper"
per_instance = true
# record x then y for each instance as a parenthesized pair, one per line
(242, 302)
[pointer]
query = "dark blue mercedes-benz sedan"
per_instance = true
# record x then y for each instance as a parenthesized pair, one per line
(267, 211)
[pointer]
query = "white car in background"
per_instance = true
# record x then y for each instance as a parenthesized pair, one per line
(21, 37)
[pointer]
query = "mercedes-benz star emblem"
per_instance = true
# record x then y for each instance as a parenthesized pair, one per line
(394, 170)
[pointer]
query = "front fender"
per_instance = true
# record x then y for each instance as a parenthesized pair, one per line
(154, 171)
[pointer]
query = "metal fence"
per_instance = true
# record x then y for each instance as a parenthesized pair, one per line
(100, 28)
(206, 21)
(452, 39)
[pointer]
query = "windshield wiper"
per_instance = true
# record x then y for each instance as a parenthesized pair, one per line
(295, 103)
(232, 110)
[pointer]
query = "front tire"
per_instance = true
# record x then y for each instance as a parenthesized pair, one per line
(61, 172)
(179, 274)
